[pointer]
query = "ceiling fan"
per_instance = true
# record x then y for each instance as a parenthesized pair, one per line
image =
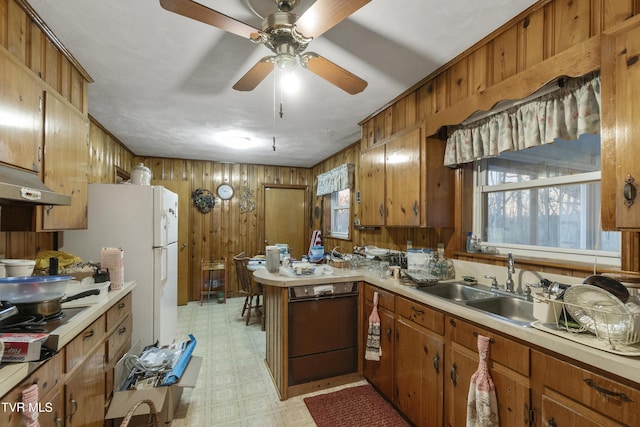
(286, 35)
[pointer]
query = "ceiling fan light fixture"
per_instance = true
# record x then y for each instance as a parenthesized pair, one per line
(286, 62)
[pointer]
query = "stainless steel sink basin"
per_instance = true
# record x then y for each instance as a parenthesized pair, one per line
(516, 310)
(457, 291)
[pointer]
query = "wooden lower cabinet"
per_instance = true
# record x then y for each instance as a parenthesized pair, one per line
(380, 373)
(568, 395)
(509, 367)
(84, 392)
(75, 385)
(419, 373)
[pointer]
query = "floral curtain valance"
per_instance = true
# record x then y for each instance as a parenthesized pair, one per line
(336, 179)
(567, 113)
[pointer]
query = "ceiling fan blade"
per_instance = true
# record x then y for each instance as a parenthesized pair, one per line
(255, 75)
(333, 73)
(325, 14)
(201, 13)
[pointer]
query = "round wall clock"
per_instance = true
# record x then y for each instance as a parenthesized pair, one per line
(225, 191)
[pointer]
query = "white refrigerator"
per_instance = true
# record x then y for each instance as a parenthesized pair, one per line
(143, 221)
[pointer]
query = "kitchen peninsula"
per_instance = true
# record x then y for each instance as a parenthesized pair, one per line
(79, 376)
(536, 353)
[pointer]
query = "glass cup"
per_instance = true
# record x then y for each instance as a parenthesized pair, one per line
(384, 269)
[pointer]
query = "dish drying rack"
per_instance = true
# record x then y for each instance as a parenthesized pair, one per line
(617, 333)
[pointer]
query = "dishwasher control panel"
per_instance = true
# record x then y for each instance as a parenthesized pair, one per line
(323, 290)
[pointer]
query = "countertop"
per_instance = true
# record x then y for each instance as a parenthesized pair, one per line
(621, 366)
(11, 374)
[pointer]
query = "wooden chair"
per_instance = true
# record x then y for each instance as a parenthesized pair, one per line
(247, 286)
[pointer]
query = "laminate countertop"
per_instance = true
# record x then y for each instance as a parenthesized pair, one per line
(12, 374)
(624, 367)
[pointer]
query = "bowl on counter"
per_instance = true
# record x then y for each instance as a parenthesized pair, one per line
(18, 267)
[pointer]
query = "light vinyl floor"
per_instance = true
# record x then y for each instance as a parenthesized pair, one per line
(234, 387)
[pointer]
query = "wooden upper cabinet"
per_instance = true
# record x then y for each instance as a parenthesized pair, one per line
(66, 166)
(21, 116)
(621, 129)
(372, 186)
(403, 179)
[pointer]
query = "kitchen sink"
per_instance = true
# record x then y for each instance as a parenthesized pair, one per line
(516, 310)
(457, 291)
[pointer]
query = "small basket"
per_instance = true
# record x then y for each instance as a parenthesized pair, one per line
(153, 413)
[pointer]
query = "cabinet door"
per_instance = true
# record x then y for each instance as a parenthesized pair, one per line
(20, 116)
(84, 393)
(403, 179)
(508, 367)
(372, 187)
(380, 373)
(627, 88)
(439, 186)
(419, 377)
(66, 144)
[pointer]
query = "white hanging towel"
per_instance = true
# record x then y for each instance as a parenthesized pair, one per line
(373, 351)
(482, 405)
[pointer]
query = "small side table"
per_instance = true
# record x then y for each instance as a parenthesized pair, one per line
(213, 279)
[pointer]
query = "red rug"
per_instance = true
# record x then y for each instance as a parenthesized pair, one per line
(353, 407)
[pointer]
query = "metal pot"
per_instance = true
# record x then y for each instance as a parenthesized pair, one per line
(609, 284)
(50, 307)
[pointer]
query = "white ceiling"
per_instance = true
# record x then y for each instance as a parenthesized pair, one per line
(163, 82)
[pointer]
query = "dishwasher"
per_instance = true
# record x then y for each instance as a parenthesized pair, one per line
(323, 331)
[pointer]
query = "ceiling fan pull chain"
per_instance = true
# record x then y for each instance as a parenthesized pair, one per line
(274, 112)
(281, 112)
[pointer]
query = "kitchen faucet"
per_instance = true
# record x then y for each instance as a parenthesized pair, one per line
(510, 270)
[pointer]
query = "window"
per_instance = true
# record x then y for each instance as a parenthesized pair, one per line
(338, 214)
(545, 201)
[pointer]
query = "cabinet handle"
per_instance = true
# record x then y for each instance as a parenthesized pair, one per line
(415, 208)
(436, 363)
(453, 374)
(417, 310)
(88, 335)
(58, 421)
(389, 335)
(552, 422)
(381, 210)
(491, 340)
(74, 406)
(121, 306)
(629, 191)
(122, 330)
(605, 392)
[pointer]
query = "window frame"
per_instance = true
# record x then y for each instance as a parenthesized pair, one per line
(329, 215)
(596, 256)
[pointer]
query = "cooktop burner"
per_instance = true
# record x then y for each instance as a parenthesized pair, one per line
(42, 324)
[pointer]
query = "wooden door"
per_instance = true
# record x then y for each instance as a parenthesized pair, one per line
(372, 186)
(21, 100)
(183, 190)
(84, 393)
(419, 379)
(627, 88)
(66, 163)
(285, 219)
(380, 373)
(403, 179)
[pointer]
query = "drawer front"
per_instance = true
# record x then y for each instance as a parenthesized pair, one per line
(386, 299)
(119, 311)
(509, 353)
(420, 314)
(47, 376)
(80, 346)
(603, 395)
(118, 339)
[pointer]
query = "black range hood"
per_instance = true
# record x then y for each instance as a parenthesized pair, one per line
(20, 186)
